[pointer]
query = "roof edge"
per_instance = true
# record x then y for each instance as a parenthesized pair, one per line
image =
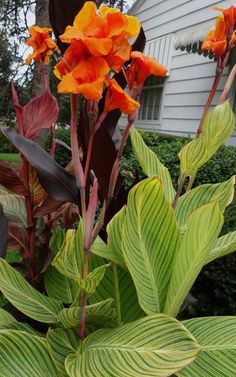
(135, 7)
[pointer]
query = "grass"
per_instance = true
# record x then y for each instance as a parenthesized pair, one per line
(10, 157)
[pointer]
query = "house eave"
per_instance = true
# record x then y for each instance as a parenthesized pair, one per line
(135, 7)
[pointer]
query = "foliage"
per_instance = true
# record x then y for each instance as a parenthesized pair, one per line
(108, 274)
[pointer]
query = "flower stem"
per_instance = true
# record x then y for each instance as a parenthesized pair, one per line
(115, 168)
(179, 190)
(208, 103)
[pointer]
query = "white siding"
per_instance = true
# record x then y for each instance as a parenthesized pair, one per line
(191, 75)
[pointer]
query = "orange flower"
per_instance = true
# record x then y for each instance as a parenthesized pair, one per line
(119, 53)
(230, 18)
(141, 67)
(117, 98)
(97, 30)
(42, 44)
(81, 73)
(216, 40)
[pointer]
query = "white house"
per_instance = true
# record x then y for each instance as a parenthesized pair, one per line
(175, 105)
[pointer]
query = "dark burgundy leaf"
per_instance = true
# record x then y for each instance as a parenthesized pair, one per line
(40, 112)
(10, 180)
(102, 160)
(3, 233)
(17, 238)
(59, 184)
(62, 14)
(49, 206)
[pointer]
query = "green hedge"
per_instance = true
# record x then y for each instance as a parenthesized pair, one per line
(215, 289)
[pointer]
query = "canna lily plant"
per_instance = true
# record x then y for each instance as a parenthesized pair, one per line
(114, 280)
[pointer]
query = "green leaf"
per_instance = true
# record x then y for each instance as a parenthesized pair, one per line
(151, 165)
(24, 355)
(6, 318)
(223, 192)
(57, 239)
(62, 343)
(153, 346)
(19, 326)
(150, 239)
(25, 298)
(223, 246)
(202, 229)
(100, 314)
(217, 128)
(130, 308)
(69, 260)
(93, 279)
(59, 286)
(14, 208)
(113, 249)
(217, 337)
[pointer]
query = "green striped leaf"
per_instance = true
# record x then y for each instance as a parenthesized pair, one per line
(223, 246)
(202, 228)
(62, 343)
(130, 308)
(6, 318)
(25, 298)
(59, 286)
(153, 346)
(151, 165)
(69, 260)
(57, 239)
(14, 208)
(217, 337)
(150, 239)
(217, 128)
(223, 192)
(113, 249)
(100, 314)
(19, 326)
(93, 279)
(24, 355)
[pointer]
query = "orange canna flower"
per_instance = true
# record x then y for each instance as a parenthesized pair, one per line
(141, 67)
(80, 72)
(216, 40)
(42, 44)
(119, 53)
(97, 30)
(117, 98)
(230, 18)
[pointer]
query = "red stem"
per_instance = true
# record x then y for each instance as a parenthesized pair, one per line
(208, 103)
(115, 168)
(79, 174)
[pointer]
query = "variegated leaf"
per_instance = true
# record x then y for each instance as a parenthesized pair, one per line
(153, 346)
(151, 165)
(150, 240)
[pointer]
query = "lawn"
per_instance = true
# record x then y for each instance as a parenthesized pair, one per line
(10, 157)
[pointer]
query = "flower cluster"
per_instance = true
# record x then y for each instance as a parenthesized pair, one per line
(98, 45)
(222, 38)
(42, 45)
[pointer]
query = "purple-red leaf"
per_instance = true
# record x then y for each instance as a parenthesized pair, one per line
(40, 112)
(3, 233)
(55, 180)
(17, 238)
(10, 180)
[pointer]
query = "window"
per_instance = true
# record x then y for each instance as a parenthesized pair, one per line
(150, 104)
